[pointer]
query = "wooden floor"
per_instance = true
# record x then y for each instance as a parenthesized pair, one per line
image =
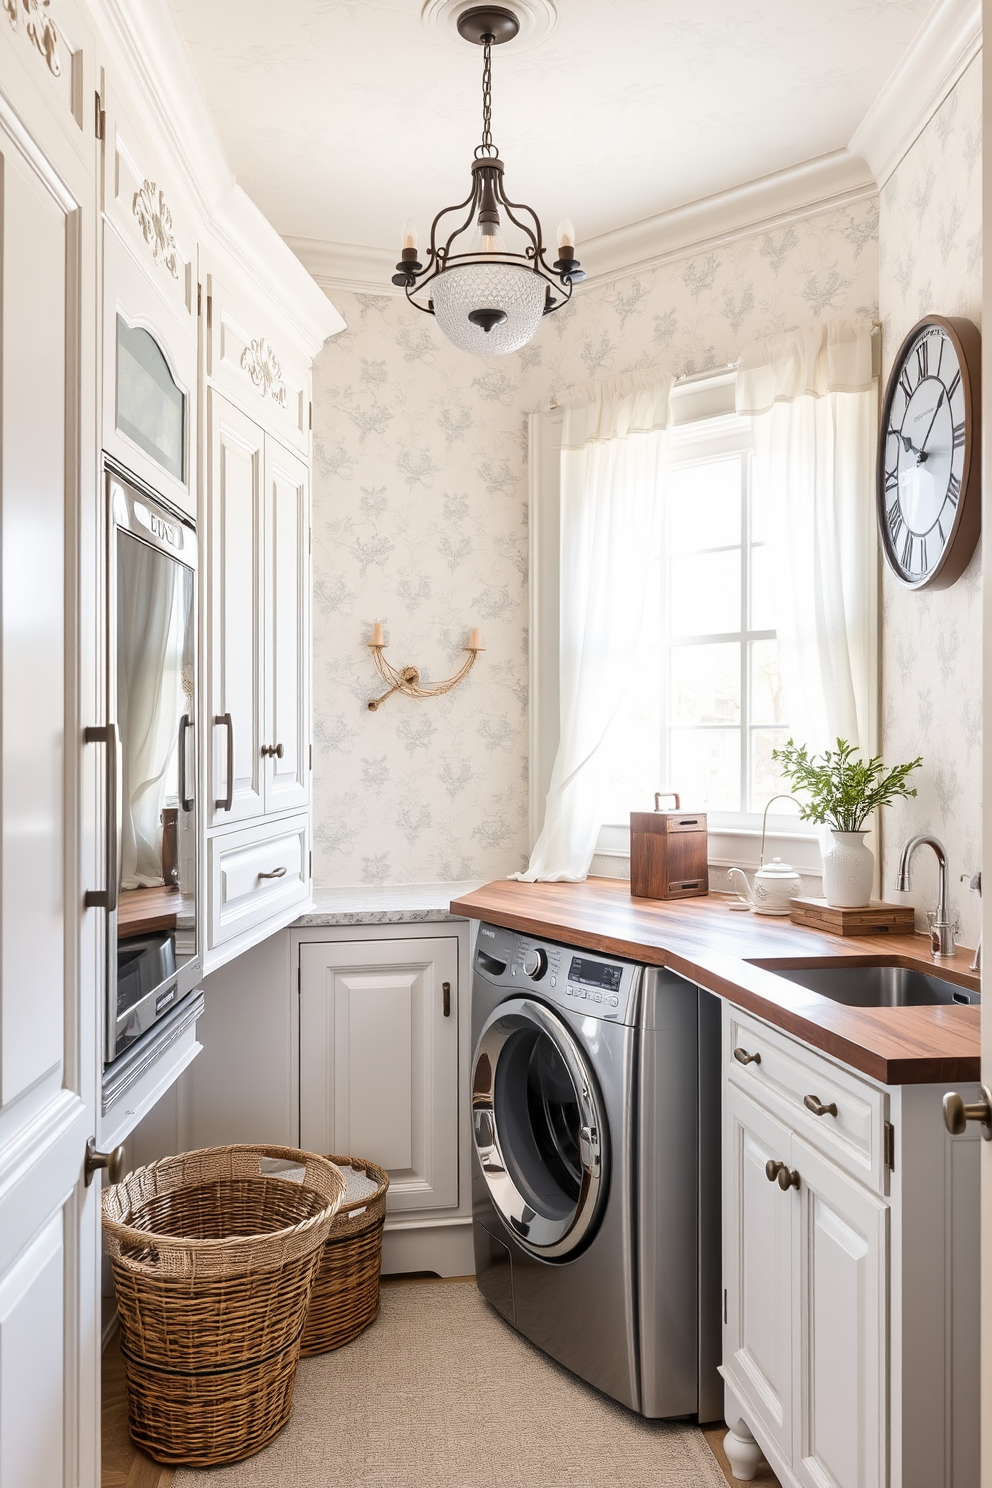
(125, 1467)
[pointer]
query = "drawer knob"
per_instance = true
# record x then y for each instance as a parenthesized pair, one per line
(743, 1057)
(276, 873)
(814, 1104)
(782, 1174)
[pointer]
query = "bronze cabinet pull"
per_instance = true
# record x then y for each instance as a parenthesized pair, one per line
(276, 873)
(814, 1104)
(957, 1114)
(446, 999)
(227, 802)
(781, 1173)
(107, 898)
(94, 1161)
(272, 751)
(743, 1057)
(185, 801)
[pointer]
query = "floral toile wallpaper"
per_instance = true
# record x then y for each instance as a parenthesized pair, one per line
(930, 260)
(420, 520)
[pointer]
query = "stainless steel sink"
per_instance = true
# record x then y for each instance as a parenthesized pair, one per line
(878, 986)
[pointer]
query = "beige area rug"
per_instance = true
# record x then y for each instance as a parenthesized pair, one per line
(441, 1393)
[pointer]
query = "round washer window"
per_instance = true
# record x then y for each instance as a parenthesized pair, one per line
(537, 1116)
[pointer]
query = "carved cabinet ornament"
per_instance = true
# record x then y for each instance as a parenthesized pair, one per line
(262, 366)
(40, 29)
(155, 220)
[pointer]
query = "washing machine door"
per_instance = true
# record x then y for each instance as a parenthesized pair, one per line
(539, 1129)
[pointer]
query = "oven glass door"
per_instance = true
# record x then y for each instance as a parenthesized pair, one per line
(155, 680)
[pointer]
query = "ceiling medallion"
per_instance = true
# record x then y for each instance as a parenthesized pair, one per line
(537, 19)
(488, 297)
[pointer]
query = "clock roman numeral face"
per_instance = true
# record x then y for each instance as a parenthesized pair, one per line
(925, 440)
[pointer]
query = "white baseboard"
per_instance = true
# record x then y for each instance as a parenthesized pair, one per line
(445, 1249)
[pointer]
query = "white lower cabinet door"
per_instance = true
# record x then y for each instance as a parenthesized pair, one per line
(840, 1327)
(758, 1249)
(379, 1061)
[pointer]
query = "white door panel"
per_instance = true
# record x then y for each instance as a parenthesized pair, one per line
(287, 499)
(236, 604)
(379, 1061)
(840, 1327)
(758, 1239)
(49, 546)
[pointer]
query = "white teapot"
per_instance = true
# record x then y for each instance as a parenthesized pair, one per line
(775, 886)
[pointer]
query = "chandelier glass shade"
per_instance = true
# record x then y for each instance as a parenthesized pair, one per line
(487, 297)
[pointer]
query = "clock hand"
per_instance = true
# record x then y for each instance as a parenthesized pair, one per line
(921, 453)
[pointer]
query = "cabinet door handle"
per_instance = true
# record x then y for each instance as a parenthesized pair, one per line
(185, 801)
(276, 873)
(94, 1161)
(107, 898)
(272, 751)
(225, 720)
(814, 1104)
(957, 1114)
(781, 1173)
(743, 1057)
(446, 999)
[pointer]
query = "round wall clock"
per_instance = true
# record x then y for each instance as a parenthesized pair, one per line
(928, 483)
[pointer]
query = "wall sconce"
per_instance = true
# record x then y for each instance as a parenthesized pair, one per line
(407, 680)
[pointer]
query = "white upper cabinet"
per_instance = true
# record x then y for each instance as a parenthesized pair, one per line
(235, 609)
(149, 322)
(255, 367)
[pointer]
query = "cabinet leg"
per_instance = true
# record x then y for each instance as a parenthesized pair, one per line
(743, 1452)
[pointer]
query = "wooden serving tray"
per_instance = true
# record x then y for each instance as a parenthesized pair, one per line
(872, 919)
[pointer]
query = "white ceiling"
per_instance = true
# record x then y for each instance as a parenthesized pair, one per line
(340, 118)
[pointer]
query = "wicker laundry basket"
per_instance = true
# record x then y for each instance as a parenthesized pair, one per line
(214, 1255)
(345, 1296)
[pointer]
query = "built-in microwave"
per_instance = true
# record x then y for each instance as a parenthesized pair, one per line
(152, 946)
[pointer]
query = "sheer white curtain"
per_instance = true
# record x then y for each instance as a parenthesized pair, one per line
(612, 461)
(812, 400)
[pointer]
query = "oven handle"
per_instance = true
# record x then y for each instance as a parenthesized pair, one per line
(185, 801)
(227, 803)
(107, 898)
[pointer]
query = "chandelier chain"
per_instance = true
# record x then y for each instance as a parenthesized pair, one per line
(487, 147)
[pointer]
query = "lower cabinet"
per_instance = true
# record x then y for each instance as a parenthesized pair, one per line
(851, 1272)
(379, 1061)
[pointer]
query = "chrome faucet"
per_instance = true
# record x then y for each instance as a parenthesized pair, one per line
(941, 929)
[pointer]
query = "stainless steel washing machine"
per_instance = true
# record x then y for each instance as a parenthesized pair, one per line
(596, 1167)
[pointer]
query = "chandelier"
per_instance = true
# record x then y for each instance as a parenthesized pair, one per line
(485, 296)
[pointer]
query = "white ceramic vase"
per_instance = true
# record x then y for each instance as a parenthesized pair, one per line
(848, 870)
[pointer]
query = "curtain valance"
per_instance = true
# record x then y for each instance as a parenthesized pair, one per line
(834, 357)
(613, 410)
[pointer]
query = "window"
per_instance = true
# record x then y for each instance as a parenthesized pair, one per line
(707, 710)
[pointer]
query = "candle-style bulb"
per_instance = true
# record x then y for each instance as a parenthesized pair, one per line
(566, 233)
(488, 238)
(410, 233)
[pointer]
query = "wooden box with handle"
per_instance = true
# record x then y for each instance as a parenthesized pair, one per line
(668, 852)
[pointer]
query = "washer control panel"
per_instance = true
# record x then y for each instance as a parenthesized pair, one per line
(579, 980)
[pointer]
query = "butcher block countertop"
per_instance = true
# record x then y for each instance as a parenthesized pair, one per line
(734, 955)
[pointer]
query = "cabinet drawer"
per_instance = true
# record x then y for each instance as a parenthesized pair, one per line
(782, 1073)
(256, 873)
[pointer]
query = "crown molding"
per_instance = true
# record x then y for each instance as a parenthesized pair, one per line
(770, 202)
(759, 206)
(946, 44)
(347, 266)
(151, 54)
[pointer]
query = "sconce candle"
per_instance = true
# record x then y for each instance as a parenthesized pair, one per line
(377, 637)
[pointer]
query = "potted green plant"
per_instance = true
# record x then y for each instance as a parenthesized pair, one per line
(841, 791)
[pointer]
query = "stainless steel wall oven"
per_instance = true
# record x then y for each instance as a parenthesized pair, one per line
(153, 959)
